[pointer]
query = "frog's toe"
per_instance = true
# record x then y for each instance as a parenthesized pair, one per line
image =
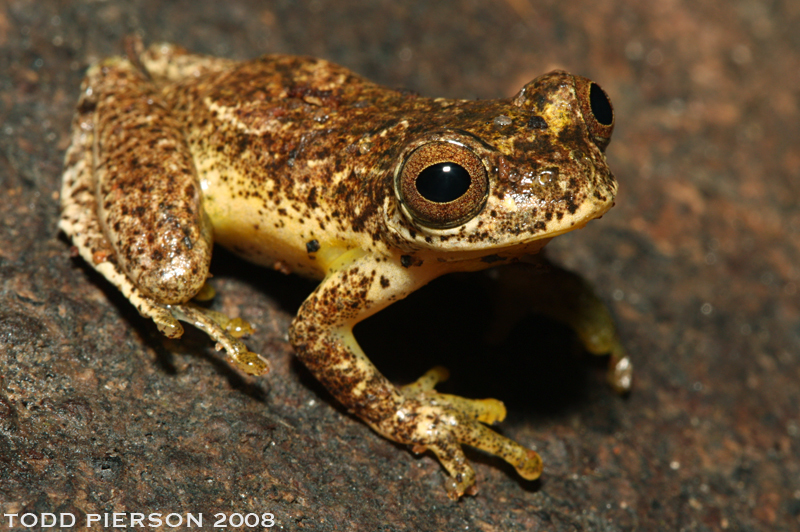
(484, 410)
(527, 462)
(487, 411)
(167, 325)
(225, 332)
(462, 477)
(427, 382)
(451, 430)
(620, 371)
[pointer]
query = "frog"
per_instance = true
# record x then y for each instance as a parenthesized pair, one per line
(301, 165)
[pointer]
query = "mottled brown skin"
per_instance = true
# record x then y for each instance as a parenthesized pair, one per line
(301, 165)
(148, 190)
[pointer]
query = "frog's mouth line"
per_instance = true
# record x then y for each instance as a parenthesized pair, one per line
(469, 233)
(445, 246)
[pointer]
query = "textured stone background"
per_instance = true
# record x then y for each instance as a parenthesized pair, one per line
(98, 413)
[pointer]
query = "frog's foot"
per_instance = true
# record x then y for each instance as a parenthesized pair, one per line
(442, 423)
(222, 329)
(225, 331)
(487, 411)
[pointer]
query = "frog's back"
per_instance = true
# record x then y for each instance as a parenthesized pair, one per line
(272, 139)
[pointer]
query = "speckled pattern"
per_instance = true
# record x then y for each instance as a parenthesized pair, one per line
(99, 413)
(295, 149)
(304, 166)
(159, 235)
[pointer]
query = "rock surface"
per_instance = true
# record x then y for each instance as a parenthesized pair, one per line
(699, 259)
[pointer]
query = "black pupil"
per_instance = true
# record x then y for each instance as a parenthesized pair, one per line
(601, 107)
(443, 182)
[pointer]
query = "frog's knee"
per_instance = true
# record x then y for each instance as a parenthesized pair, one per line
(173, 269)
(174, 281)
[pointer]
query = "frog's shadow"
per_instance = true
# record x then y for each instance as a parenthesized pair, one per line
(539, 370)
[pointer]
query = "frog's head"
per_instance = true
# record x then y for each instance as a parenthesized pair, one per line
(495, 176)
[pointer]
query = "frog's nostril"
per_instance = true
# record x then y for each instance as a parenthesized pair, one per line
(443, 182)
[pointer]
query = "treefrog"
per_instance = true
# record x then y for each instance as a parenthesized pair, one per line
(301, 165)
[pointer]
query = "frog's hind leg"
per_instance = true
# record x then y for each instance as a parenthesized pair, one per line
(79, 219)
(131, 203)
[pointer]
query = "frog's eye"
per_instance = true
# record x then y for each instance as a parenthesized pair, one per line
(442, 185)
(598, 113)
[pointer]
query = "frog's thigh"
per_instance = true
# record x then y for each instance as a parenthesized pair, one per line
(148, 195)
(565, 297)
(103, 232)
(79, 218)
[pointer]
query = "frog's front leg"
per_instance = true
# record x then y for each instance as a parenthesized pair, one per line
(132, 204)
(537, 286)
(416, 415)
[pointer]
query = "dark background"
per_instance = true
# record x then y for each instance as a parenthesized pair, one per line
(699, 260)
